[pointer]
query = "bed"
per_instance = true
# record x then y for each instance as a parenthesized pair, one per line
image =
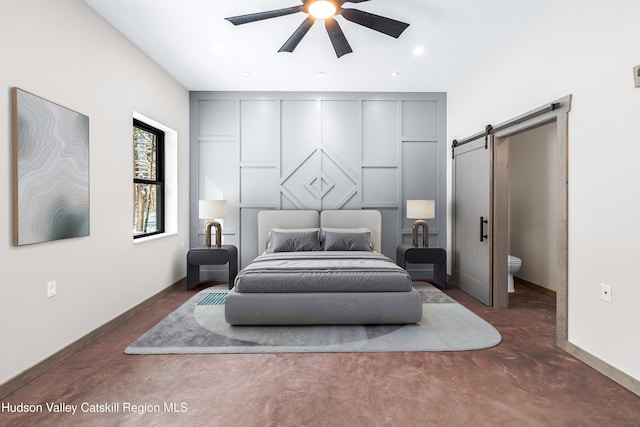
(319, 268)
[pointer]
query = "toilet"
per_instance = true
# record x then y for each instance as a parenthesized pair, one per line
(514, 266)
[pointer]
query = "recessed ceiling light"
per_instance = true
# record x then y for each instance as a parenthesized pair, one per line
(246, 73)
(320, 74)
(217, 49)
(322, 9)
(395, 74)
(418, 50)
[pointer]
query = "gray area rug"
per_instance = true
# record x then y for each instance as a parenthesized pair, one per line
(199, 327)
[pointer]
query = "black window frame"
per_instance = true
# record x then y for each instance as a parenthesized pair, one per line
(159, 181)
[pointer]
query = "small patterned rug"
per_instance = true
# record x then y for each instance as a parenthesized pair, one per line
(199, 326)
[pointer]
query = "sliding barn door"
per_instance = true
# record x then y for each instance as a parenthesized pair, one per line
(471, 265)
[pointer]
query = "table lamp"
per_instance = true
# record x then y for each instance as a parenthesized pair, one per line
(212, 210)
(421, 210)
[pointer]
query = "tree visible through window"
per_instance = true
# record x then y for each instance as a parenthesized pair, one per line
(148, 185)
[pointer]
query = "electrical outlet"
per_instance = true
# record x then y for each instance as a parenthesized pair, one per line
(605, 292)
(51, 289)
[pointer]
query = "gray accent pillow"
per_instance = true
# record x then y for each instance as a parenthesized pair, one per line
(344, 230)
(294, 240)
(346, 241)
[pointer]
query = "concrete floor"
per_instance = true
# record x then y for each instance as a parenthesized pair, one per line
(524, 381)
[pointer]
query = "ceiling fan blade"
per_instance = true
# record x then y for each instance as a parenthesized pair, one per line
(338, 40)
(388, 26)
(297, 35)
(259, 16)
(353, 1)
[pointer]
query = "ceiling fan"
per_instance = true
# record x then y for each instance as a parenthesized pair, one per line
(326, 10)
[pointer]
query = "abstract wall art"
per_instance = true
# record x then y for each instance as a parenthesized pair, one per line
(50, 170)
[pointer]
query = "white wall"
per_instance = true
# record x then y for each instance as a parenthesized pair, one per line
(588, 49)
(63, 51)
(533, 179)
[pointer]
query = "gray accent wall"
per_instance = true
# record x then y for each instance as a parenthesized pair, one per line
(294, 150)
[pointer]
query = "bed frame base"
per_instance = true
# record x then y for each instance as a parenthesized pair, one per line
(339, 308)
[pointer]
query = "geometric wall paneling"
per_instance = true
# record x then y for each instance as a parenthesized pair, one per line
(216, 157)
(298, 182)
(320, 181)
(299, 133)
(339, 134)
(294, 150)
(337, 184)
(380, 187)
(420, 169)
(258, 186)
(341, 158)
(325, 176)
(379, 126)
(286, 203)
(420, 120)
(259, 131)
(218, 182)
(216, 118)
(420, 178)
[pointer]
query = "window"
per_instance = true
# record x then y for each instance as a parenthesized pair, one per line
(148, 180)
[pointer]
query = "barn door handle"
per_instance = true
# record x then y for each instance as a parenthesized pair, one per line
(482, 223)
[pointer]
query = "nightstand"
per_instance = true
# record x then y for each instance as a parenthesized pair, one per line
(436, 256)
(211, 256)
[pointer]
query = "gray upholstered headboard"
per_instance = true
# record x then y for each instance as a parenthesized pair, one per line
(372, 219)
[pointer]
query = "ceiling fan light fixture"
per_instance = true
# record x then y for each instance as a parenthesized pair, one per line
(326, 10)
(322, 9)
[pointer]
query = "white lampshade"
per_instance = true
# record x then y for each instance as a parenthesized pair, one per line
(421, 209)
(212, 209)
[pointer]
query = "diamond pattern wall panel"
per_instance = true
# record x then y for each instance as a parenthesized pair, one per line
(319, 151)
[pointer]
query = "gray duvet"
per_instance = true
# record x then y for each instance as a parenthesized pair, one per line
(320, 271)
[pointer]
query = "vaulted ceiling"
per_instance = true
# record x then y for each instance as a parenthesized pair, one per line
(192, 41)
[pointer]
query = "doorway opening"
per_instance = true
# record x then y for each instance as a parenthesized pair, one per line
(533, 178)
(547, 199)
